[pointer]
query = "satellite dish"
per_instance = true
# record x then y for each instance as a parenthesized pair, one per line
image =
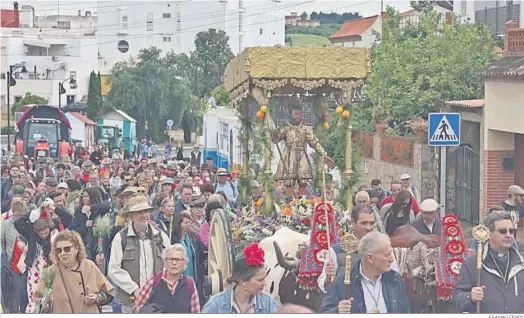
(212, 101)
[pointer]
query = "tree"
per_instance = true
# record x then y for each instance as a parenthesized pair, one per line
(28, 99)
(303, 16)
(209, 60)
(416, 68)
(221, 95)
(151, 89)
(94, 96)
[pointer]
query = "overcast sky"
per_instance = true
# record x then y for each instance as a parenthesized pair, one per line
(71, 7)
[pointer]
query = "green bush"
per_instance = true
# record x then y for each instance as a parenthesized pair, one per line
(7, 130)
(325, 30)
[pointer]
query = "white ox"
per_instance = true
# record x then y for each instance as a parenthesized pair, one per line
(289, 241)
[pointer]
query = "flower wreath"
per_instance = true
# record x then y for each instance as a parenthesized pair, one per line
(321, 238)
(320, 218)
(452, 230)
(320, 208)
(254, 255)
(449, 219)
(455, 247)
(450, 264)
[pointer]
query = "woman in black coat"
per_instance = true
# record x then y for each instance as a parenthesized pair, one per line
(91, 207)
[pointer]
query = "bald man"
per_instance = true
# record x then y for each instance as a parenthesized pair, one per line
(293, 309)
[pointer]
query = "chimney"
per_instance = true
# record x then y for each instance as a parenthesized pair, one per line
(16, 15)
(88, 13)
(79, 13)
(513, 39)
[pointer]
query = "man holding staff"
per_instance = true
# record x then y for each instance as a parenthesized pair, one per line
(374, 287)
(501, 273)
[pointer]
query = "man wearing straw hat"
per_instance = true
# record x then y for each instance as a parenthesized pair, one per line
(135, 252)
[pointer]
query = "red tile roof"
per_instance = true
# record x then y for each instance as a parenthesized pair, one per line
(83, 118)
(354, 27)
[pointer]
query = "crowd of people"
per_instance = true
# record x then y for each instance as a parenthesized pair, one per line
(153, 255)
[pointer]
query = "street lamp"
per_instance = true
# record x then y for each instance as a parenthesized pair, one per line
(11, 82)
(61, 89)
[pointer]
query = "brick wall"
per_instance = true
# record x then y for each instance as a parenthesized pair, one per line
(366, 143)
(497, 180)
(397, 150)
(513, 40)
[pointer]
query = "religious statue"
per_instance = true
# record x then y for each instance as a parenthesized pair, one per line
(295, 168)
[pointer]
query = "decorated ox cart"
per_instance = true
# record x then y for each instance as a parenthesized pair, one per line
(270, 82)
(262, 83)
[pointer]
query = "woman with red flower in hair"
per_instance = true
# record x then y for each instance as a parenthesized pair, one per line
(245, 294)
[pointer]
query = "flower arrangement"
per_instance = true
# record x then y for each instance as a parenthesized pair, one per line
(102, 229)
(296, 215)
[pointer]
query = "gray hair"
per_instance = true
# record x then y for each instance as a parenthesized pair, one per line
(369, 243)
(495, 216)
(177, 247)
(217, 198)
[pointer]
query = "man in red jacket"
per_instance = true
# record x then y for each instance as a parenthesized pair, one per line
(396, 187)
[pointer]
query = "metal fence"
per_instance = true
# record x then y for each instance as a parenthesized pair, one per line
(497, 17)
(467, 185)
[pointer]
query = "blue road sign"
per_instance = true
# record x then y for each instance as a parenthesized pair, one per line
(444, 129)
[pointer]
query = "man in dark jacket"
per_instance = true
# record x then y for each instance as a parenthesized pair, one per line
(429, 222)
(501, 276)
(374, 287)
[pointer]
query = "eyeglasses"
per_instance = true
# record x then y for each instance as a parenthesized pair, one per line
(171, 259)
(127, 180)
(65, 249)
(505, 231)
(141, 191)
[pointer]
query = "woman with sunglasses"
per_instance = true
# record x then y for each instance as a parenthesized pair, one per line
(398, 213)
(79, 286)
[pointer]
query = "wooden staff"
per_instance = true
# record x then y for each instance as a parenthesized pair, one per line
(481, 234)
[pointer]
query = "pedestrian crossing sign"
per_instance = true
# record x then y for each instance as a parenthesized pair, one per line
(444, 129)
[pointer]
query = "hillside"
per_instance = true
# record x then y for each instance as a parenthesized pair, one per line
(307, 40)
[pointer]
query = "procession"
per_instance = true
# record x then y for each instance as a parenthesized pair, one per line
(281, 202)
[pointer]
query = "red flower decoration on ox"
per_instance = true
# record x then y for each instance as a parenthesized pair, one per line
(306, 221)
(452, 230)
(449, 219)
(455, 247)
(320, 218)
(320, 208)
(321, 238)
(254, 255)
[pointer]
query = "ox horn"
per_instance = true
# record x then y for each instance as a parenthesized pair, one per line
(282, 260)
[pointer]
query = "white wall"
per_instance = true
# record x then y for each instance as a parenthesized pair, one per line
(367, 36)
(187, 19)
(78, 130)
(77, 54)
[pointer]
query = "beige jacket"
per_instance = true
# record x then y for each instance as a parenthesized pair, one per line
(77, 283)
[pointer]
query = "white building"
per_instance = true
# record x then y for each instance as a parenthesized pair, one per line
(83, 22)
(494, 13)
(124, 30)
(50, 56)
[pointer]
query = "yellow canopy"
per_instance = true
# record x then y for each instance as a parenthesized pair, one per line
(302, 67)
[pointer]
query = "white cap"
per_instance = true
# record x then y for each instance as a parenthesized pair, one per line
(405, 176)
(62, 185)
(429, 205)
